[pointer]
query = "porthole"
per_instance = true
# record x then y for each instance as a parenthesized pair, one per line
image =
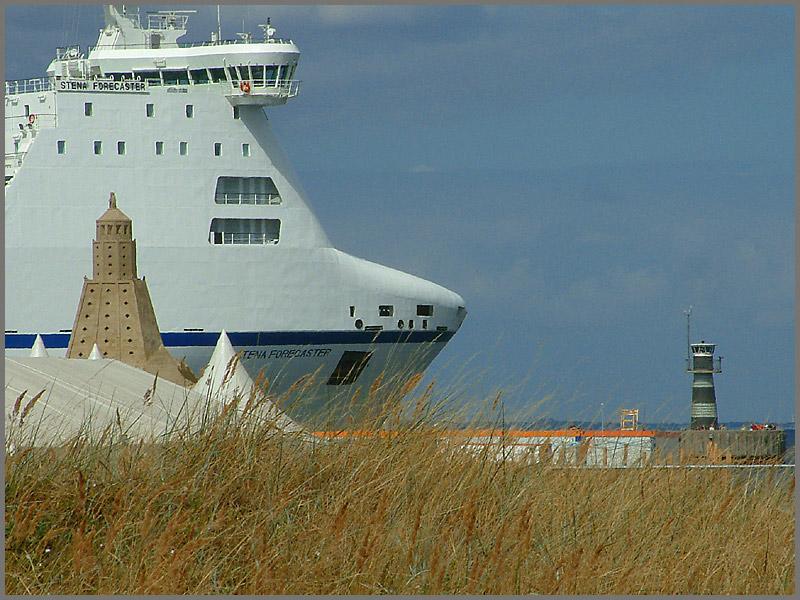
(400, 324)
(359, 324)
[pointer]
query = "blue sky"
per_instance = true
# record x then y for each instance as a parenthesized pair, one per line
(579, 174)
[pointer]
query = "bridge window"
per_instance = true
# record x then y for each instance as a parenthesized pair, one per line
(120, 148)
(349, 367)
(217, 74)
(245, 150)
(87, 109)
(98, 147)
(150, 110)
(184, 148)
(217, 149)
(199, 75)
(176, 77)
(61, 146)
(271, 69)
(151, 77)
(246, 190)
(189, 111)
(244, 231)
(159, 148)
(258, 73)
(234, 73)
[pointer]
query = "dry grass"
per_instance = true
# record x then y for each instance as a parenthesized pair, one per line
(242, 509)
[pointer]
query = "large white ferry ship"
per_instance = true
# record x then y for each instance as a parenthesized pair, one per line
(226, 238)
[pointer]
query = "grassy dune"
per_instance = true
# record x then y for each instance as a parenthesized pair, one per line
(242, 509)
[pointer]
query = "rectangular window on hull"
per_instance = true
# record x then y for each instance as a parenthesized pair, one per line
(87, 109)
(245, 150)
(349, 368)
(62, 146)
(385, 310)
(159, 148)
(98, 147)
(246, 190)
(150, 110)
(235, 112)
(244, 231)
(217, 149)
(184, 148)
(189, 111)
(120, 148)
(424, 310)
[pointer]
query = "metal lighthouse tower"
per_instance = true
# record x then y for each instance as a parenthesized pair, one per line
(701, 364)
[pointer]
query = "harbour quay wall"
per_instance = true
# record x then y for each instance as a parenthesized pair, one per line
(733, 445)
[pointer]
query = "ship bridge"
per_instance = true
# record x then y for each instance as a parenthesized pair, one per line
(136, 48)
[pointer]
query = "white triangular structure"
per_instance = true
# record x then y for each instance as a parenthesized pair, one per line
(38, 350)
(224, 379)
(95, 354)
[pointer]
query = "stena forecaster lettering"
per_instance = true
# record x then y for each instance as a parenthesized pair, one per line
(288, 353)
(68, 85)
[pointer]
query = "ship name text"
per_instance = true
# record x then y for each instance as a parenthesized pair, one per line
(287, 353)
(72, 85)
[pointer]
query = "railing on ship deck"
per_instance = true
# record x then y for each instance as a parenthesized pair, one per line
(24, 86)
(184, 44)
(290, 87)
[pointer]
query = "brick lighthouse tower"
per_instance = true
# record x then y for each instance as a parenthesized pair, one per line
(115, 311)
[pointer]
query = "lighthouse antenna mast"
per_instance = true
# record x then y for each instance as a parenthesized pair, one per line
(688, 314)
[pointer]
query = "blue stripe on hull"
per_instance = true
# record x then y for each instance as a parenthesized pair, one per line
(174, 339)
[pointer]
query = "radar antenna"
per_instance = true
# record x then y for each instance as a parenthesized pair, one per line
(268, 30)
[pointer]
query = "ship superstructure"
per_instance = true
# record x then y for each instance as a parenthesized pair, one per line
(226, 239)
